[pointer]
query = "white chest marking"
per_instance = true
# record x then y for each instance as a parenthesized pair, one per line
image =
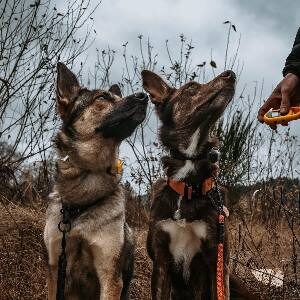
(182, 173)
(185, 241)
(188, 167)
(191, 149)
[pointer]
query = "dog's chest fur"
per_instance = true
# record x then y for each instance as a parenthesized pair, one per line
(188, 241)
(185, 240)
(102, 225)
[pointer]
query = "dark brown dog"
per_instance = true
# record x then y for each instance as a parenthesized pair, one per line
(184, 248)
(100, 244)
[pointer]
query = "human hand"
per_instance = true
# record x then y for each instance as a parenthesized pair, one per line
(285, 95)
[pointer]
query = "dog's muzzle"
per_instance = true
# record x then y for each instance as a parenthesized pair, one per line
(121, 122)
(139, 97)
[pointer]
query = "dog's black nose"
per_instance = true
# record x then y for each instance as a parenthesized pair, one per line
(228, 74)
(140, 96)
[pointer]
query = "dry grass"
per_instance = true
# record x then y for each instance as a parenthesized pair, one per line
(255, 245)
(22, 252)
(140, 287)
(22, 258)
(260, 246)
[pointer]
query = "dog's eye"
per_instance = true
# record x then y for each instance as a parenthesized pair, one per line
(104, 98)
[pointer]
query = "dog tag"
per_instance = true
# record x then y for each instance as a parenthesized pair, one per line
(119, 166)
(177, 214)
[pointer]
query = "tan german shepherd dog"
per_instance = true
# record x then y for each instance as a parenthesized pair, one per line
(99, 246)
(183, 247)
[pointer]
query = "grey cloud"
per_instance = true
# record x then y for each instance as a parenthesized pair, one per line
(283, 16)
(267, 28)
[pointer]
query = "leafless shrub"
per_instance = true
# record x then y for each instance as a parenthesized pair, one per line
(34, 36)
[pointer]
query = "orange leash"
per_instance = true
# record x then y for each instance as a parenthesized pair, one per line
(220, 259)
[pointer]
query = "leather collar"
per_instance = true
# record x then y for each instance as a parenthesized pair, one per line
(73, 211)
(187, 190)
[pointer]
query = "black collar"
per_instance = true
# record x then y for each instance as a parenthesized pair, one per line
(72, 211)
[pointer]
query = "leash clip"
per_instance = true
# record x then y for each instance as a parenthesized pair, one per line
(177, 213)
(64, 225)
(221, 228)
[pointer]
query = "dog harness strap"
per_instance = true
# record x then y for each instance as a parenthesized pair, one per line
(220, 259)
(188, 191)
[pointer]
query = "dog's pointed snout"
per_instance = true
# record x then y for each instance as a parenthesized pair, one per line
(228, 74)
(141, 96)
(138, 97)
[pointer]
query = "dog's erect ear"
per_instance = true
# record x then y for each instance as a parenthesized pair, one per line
(67, 88)
(155, 86)
(115, 89)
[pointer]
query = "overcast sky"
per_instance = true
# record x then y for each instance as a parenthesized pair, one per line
(267, 28)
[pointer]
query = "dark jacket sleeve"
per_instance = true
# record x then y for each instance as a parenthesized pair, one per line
(292, 64)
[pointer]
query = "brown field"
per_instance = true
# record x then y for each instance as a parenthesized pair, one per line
(255, 244)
